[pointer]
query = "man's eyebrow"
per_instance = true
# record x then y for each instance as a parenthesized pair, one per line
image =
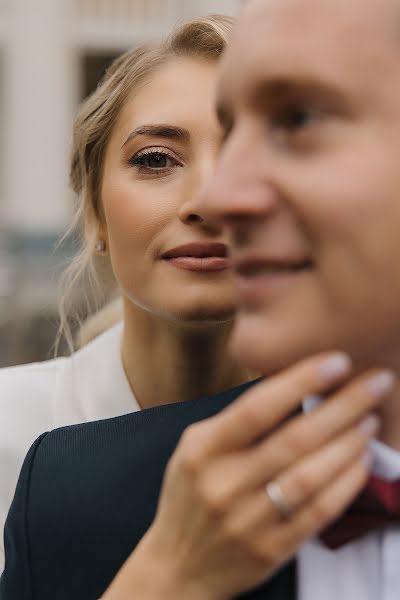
(159, 130)
(329, 92)
(270, 93)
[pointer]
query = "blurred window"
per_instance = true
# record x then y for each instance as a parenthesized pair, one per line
(94, 65)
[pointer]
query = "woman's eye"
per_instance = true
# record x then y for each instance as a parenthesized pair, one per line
(156, 161)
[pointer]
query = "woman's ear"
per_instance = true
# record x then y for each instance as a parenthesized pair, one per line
(102, 234)
(101, 244)
(95, 231)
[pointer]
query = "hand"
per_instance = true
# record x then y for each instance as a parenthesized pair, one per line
(217, 533)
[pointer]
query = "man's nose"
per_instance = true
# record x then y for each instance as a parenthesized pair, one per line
(240, 188)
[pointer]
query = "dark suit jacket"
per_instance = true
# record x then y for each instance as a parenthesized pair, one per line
(86, 496)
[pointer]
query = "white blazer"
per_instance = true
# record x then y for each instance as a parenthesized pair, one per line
(88, 386)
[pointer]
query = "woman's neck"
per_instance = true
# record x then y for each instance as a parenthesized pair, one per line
(168, 362)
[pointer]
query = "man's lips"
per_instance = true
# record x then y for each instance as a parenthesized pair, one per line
(252, 267)
(259, 277)
(199, 256)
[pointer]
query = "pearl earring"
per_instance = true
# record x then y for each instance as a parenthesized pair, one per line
(100, 246)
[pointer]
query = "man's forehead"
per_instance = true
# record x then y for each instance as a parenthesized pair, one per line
(309, 17)
(318, 8)
(309, 37)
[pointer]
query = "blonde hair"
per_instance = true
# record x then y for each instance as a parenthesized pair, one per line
(204, 37)
(94, 325)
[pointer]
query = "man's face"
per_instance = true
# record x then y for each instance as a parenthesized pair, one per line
(308, 181)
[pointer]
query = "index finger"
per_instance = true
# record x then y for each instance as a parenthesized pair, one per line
(266, 404)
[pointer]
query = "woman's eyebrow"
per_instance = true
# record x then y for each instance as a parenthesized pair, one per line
(159, 130)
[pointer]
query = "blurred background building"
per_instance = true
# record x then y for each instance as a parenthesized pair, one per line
(52, 54)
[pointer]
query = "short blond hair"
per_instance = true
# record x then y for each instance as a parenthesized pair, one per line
(204, 37)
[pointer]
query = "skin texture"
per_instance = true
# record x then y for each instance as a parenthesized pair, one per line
(308, 175)
(175, 320)
(309, 170)
(148, 213)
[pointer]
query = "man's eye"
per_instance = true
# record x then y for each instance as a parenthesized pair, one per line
(153, 161)
(295, 119)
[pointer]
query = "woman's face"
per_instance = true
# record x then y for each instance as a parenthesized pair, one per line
(308, 181)
(166, 258)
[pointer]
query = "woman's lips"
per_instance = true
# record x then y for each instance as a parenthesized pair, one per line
(199, 257)
(205, 263)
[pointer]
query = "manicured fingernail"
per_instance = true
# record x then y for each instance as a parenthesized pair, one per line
(336, 365)
(382, 383)
(370, 425)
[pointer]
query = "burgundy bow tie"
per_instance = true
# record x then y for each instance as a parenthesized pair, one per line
(378, 505)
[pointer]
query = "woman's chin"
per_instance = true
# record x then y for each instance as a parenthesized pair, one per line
(206, 316)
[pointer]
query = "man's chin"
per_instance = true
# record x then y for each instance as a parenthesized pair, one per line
(249, 344)
(265, 346)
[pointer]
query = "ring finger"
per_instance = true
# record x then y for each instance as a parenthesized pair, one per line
(304, 480)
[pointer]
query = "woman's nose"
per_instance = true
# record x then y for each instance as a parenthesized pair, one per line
(191, 211)
(191, 217)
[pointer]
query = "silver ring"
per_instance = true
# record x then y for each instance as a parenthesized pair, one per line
(275, 495)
